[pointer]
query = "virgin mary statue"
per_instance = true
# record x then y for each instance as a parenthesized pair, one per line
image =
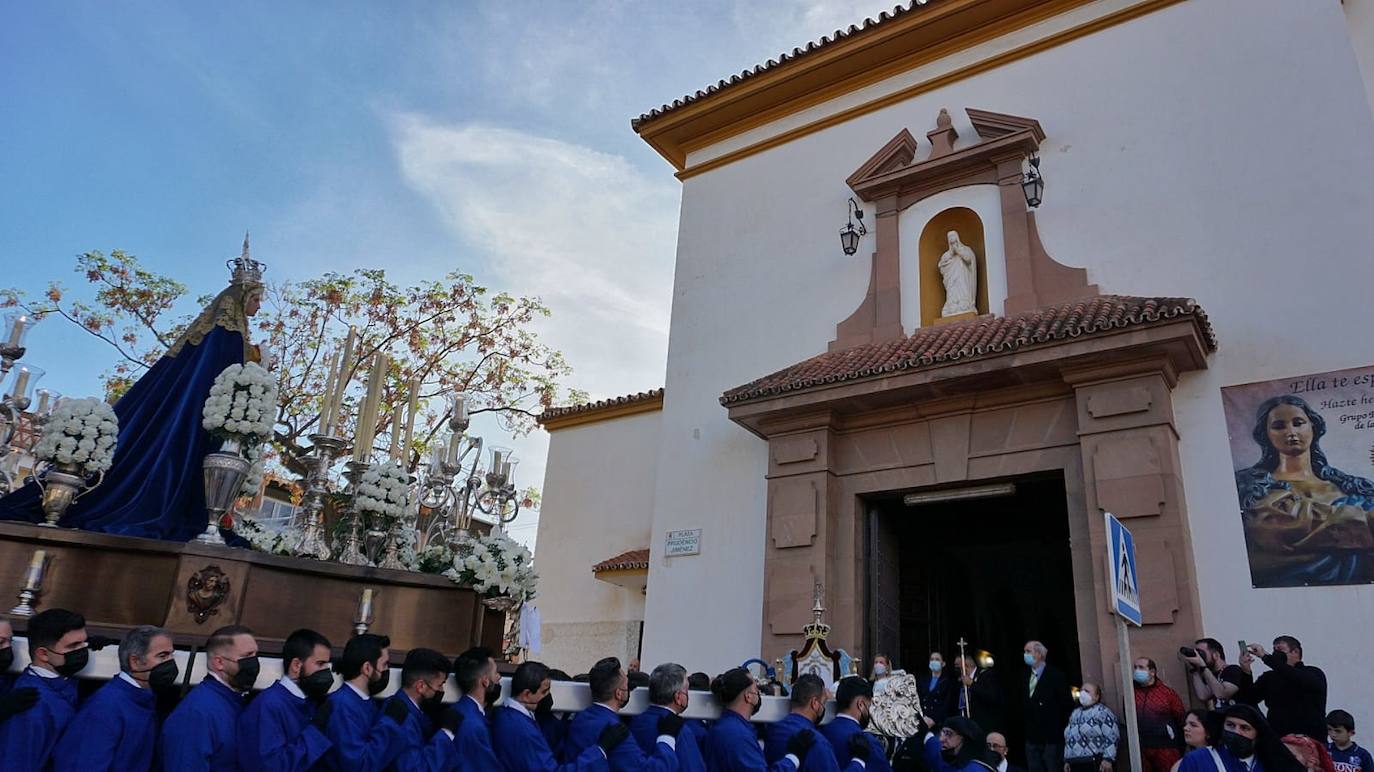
(154, 487)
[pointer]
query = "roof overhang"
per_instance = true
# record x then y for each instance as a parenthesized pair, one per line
(833, 66)
(882, 376)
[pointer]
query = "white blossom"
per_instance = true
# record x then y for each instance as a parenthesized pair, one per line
(80, 431)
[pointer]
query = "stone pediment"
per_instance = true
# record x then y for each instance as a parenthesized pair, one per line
(898, 153)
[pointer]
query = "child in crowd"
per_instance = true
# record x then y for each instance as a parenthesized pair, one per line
(1348, 757)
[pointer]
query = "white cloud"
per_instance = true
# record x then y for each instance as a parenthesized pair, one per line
(582, 229)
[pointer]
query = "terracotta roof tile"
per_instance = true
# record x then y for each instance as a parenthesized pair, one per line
(590, 407)
(625, 561)
(783, 58)
(983, 336)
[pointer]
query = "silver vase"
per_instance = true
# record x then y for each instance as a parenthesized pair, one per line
(62, 484)
(224, 475)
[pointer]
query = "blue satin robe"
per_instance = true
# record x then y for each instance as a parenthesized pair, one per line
(626, 757)
(473, 739)
(363, 739)
(554, 728)
(423, 752)
(27, 739)
(116, 729)
(644, 729)
(275, 733)
(520, 746)
(154, 487)
(202, 732)
(732, 745)
(838, 733)
(821, 757)
(1201, 760)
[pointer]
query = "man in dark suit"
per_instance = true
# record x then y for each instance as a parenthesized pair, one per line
(938, 690)
(985, 702)
(1047, 704)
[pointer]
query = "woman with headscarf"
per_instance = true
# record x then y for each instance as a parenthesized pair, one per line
(1247, 744)
(961, 746)
(155, 487)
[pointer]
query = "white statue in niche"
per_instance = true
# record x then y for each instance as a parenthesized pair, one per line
(959, 271)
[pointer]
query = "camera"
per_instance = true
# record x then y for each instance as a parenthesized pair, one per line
(1187, 651)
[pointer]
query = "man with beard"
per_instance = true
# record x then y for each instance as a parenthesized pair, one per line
(423, 676)
(853, 703)
(202, 733)
(57, 652)
(283, 728)
(732, 745)
(363, 741)
(117, 727)
(475, 672)
(808, 700)
(610, 688)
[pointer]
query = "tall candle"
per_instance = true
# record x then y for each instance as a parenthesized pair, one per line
(327, 402)
(411, 409)
(496, 461)
(42, 402)
(21, 383)
(396, 416)
(367, 415)
(17, 330)
(455, 447)
(345, 373)
(460, 407)
(35, 569)
(436, 459)
(365, 606)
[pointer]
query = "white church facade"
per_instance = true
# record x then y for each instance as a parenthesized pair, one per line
(932, 427)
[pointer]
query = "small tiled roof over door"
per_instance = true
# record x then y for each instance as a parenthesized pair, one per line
(625, 561)
(982, 337)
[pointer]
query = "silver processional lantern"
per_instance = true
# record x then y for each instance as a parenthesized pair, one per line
(456, 487)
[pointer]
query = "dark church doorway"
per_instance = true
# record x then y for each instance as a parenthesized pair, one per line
(995, 571)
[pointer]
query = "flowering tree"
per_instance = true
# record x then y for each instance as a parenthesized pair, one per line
(450, 334)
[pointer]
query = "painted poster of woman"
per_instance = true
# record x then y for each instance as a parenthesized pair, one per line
(1306, 520)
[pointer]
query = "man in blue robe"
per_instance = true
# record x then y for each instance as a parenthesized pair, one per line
(480, 683)
(11, 702)
(201, 734)
(960, 746)
(363, 741)
(808, 707)
(1247, 744)
(732, 744)
(515, 735)
(57, 652)
(423, 676)
(282, 729)
(853, 700)
(116, 728)
(668, 696)
(610, 691)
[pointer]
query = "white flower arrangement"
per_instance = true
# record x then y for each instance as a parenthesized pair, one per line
(81, 432)
(264, 540)
(383, 495)
(242, 405)
(253, 480)
(494, 565)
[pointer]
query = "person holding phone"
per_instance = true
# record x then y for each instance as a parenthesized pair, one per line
(1216, 683)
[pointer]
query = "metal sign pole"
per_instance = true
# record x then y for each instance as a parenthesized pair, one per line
(1123, 643)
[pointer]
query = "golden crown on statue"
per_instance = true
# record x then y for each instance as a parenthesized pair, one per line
(816, 630)
(244, 270)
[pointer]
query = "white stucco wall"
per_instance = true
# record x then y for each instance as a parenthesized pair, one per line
(1360, 15)
(598, 501)
(1220, 149)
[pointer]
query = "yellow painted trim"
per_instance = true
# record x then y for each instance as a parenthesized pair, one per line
(940, 81)
(597, 415)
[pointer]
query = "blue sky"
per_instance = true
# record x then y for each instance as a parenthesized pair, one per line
(422, 137)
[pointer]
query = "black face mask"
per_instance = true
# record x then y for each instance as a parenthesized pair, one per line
(820, 716)
(247, 675)
(316, 685)
(545, 706)
(6, 659)
(377, 685)
(73, 662)
(493, 693)
(1239, 745)
(865, 720)
(433, 702)
(756, 707)
(162, 675)
(949, 754)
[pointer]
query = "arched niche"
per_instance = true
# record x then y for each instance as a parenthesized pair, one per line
(933, 243)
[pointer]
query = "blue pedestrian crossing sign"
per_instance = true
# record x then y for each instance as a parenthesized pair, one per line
(1124, 575)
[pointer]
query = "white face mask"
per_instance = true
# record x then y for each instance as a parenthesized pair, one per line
(1085, 699)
